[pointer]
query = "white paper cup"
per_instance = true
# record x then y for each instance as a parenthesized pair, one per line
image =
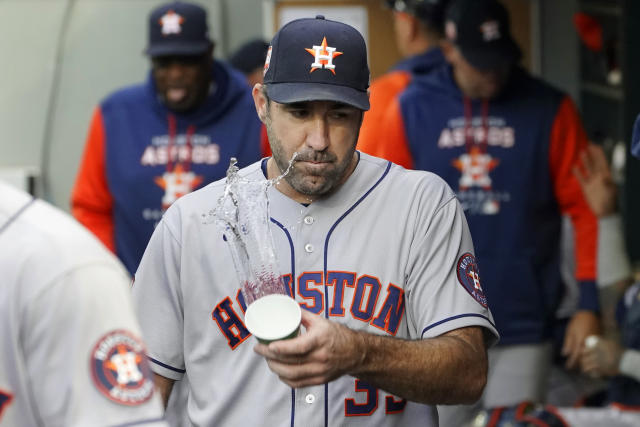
(273, 317)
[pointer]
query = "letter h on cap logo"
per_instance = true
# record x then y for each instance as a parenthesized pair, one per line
(323, 56)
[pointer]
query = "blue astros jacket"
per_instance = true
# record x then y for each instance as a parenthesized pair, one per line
(510, 162)
(140, 157)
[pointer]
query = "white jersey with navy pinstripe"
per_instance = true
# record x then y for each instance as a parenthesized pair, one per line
(71, 353)
(389, 253)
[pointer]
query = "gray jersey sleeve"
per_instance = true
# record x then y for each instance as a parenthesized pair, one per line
(443, 276)
(83, 354)
(158, 301)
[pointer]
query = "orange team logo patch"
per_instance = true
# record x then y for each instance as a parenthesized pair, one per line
(323, 56)
(120, 370)
(469, 277)
(171, 23)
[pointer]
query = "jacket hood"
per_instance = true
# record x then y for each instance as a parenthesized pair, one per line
(230, 87)
(422, 63)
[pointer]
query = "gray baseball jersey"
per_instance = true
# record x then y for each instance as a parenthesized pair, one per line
(388, 253)
(71, 352)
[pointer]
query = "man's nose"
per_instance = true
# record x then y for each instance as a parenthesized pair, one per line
(175, 69)
(318, 134)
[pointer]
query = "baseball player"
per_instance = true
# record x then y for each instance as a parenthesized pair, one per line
(71, 349)
(418, 27)
(150, 143)
(379, 258)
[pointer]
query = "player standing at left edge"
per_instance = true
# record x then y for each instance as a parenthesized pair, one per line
(380, 258)
(71, 353)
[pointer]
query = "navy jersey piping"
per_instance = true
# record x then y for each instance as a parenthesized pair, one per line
(293, 290)
(157, 362)
(448, 319)
(15, 216)
(326, 250)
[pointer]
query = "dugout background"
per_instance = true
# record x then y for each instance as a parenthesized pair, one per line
(61, 57)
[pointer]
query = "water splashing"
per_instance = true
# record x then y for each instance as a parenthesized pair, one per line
(242, 213)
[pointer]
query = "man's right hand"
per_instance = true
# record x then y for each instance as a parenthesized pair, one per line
(594, 177)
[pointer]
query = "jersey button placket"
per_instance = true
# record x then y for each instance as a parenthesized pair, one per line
(309, 409)
(308, 220)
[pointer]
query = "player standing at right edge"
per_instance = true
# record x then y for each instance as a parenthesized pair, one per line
(380, 259)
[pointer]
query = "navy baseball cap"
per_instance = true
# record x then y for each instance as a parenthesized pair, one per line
(316, 59)
(250, 55)
(178, 28)
(430, 12)
(481, 30)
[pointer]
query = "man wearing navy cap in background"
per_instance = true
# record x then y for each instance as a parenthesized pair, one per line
(507, 143)
(151, 143)
(418, 26)
(379, 259)
(249, 58)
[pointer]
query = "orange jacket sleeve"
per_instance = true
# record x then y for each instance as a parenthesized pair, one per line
(382, 133)
(91, 201)
(568, 139)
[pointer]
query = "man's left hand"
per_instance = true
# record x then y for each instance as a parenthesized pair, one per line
(325, 351)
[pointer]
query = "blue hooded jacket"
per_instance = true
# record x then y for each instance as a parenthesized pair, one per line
(151, 156)
(509, 160)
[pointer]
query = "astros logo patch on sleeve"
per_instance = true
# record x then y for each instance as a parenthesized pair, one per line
(469, 278)
(120, 369)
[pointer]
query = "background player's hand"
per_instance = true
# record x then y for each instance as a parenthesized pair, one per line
(596, 181)
(326, 351)
(602, 359)
(582, 324)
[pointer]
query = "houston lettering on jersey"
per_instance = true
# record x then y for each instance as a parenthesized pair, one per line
(366, 292)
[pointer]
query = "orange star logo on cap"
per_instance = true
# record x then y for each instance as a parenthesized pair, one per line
(323, 56)
(171, 23)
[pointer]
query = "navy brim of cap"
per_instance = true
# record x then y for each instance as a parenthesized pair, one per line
(168, 48)
(491, 57)
(287, 93)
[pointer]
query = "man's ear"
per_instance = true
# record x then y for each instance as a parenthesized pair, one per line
(448, 50)
(260, 101)
(414, 27)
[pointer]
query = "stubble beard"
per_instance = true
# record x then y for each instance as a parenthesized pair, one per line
(309, 184)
